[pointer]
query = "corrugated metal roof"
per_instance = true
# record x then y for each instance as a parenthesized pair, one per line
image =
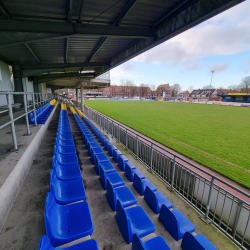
(90, 47)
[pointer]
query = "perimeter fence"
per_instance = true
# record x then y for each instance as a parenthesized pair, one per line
(217, 201)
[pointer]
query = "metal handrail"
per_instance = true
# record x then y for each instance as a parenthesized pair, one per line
(176, 156)
(43, 98)
(129, 138)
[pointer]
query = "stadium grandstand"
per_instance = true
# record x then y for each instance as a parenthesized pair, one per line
(71, 177)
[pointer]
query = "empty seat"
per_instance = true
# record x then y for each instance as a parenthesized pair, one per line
(92, 145)
(67, 172)
(132, 221)
(65, 150)
(141, 184)
(100, 158)
(111, 149)
(121, 162)
(65, 142)
(104, 140)
(66, 192)
(130, 170)
(155, 200)
(123, 194)
(107, 167)
(66, 223)
(107, 144)
(114, 178)
(68, 159)
(116, 154)
(94, 152)
(175, 222)
(86, 245)
(196, 242)
(152, 244)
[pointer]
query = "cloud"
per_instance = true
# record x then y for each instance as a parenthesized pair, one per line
(219, 67)
(225, 34)
(246, 67)
(127, 66)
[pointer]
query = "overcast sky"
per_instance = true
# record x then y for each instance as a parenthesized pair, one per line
(221, 44)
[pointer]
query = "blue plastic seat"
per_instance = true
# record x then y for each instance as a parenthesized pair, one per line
(92, 145)
(152, 244)
(141, 184)
(175, 222)
(100, 158)
(196, 242)
(114, 178)
(111, 149)
(155, 200)
(66, 223)
(116, 154)
(67, 172)
(65, 150)
(94, 152)
(107, 144)
(88, 141)
(123, 194)
(65, 137)
(104, 140)
(130, 171)
(121, 162)
(132, 221)
(65, 142)
(66, 192)
(107, 167)
(68, 159)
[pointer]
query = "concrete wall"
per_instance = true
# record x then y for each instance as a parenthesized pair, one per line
(5, 82)
(42, 87)
(28, 87)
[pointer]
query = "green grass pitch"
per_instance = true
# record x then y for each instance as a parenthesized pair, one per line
(215, 136)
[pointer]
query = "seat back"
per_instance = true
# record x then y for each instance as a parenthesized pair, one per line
(137, 243)
(122, 221)
(150, 198)
(110, 194)
(45, 244)
(169, 221)
(137, 183)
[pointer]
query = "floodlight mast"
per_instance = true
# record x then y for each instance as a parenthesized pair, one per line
(211, 82)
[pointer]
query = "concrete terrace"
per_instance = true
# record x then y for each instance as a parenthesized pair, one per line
(25, 223)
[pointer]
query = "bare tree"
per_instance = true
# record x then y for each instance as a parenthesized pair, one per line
(143, 89)
(208, 87)
(163, 88)
(133, 90)
(190, 89)
(234, 88)
(245, 84)
(176, 88)
(152, 89)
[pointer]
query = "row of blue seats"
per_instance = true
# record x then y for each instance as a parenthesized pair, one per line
(120, 197)
(42, 113)
(133, 222)
(67, 214)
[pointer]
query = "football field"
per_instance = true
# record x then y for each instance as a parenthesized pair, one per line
(215, 136)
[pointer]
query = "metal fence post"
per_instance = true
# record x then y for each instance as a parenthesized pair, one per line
(112, 129)
(126, 138)
(151, 164)
(27, 115)
(13, 132)
(137, 147)
(205, 219)
(34, 107)
(172, 183)
(119, 137)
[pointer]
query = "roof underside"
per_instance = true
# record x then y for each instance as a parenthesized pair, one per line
(77, 35)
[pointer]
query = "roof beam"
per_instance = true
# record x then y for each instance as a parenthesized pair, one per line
(64, 65)
(33, 53)
(80, 12)
(125, 11)
(66, 49)
(63, 75)
(33, 72)
(4, 11)
(194, 14)
(52, 77)
(67, 29)
(69, 8)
